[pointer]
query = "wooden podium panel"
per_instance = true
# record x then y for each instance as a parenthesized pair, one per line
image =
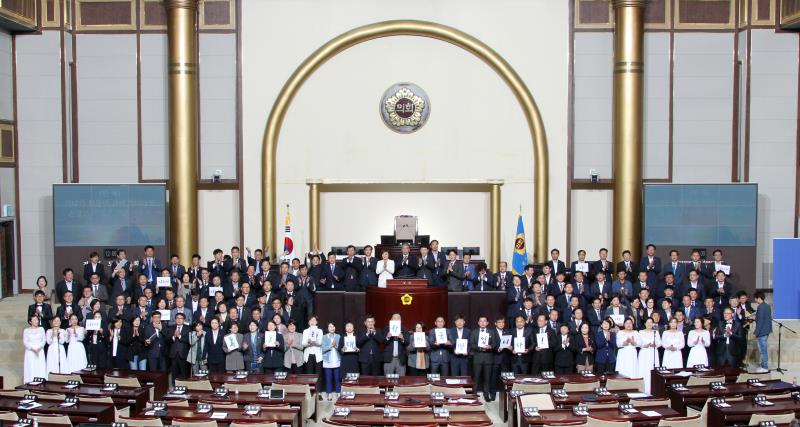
(415, 304)
(407, 283)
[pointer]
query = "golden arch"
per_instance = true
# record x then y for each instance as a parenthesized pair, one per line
(405, 28)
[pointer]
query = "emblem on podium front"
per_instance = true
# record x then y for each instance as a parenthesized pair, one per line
(406, 299)
(405, 107)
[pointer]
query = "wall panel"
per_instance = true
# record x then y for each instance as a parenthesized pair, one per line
(155, 114)
(6, 78)
(218, 105)
(656, 106)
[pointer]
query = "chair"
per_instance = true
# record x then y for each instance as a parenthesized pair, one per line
(649, 403)
(9, 416)
(141, 421)
(778, 395)
(256, 424)
(122, 381)
(742, 378)
(532, 388)
(616, 384)
(309, 404)
(193, 423)
(361, 390)
(363, 407)
(567, 423)
(13, 393)
(122, 411)
(410, 408)
(413, 389)
(62, 378)
(605, 405)
(327, 423)
(704, 411)
(570, 387)
(478, 407)
(481, 424)
(694, 421)
(542, 401)
(196, 385)
(448, 390)
(785, 418)
(704, 380)
(600, 422)
(219, 405)
(49, 395)
(180, 403)
(243, 387)
(50, 419)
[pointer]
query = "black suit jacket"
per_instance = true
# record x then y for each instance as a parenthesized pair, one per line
(368, 275)
(597, 267)
(116, 289)
(333, 279)
(652, 272)
(409, 269)
(480, 355)
(179, 346)
(352, 273)
(99, 269)
(61, 312)
(562, 268)
(45, 315)
(215, 270)
(369, 346)
(632, 270)
(213, 350)
(388, 348)
(503, 283)
(61, 288)
(239, 265)
(732, 346)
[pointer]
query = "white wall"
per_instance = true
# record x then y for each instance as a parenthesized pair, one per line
(7, 187)
(476, 128)
(6, 77)
(656, 106)
(218, 221)
(39, 157)
(594, 64)
(155, 115)
(218, 105)
(591, 224)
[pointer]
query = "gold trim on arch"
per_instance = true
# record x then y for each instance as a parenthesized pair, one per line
(405, 28)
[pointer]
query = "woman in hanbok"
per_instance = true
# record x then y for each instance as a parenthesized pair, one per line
(56, 354)
(699, 339)
(33, 339)
(76, 352)
(627, 363)
(673, 342)
(649, 342)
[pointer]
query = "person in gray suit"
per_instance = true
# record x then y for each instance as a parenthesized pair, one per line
(440, 352)
(252, 347)
(453, 272)
(763, 329)
(99, 290)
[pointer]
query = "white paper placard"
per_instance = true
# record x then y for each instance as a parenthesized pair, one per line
(93, 324)
(483, 339)
(165, 314)
(419, 339)
(441, 335)
(461, 346)
(505, 341)
(231, 342)
(725, 269)
(212, 290)
(618, 318)
(313, 334)
(349, 343)
(519, 344)
(582, 266)
(394, 328)
(542, 341)
(163, 282)
(269, 338)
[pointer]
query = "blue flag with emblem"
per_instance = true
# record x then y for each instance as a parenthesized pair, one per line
(520, 259)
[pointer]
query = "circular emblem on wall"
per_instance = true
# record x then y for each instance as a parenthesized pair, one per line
(405, 107)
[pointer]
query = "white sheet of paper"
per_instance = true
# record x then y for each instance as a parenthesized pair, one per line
(637, 395)
(519, 344)
(313, 333)
(163, 282)
(542, 341)
(165, 315)
(350, 343)
(212, 290)
(394, 328)
(618, 318)
(725, 269)
(483, 339)
(584, 267)
(93, 324)
(505, 341)
(269, 338)
(651, 413)
(231, 342)
(461, 346)
(441, 335)
(219, 415)
(419, 339)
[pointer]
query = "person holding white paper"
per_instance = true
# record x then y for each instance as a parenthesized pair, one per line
(312, 349)
(395, 356)
(502, 354)
(459, 336)
(521, 344)
(418, 352)
(440, 344)
(232, 346)
(33, 339)
(273, 349)
(331, 361)
(483, 347)
(349, 350)
(544, 343)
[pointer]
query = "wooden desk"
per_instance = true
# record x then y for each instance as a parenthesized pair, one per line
(158, 380)
(241, 399)
(88, 412)
(135, 397)
(565, 416)
(575, 398)
(379, 400)
(217, 379)
(740, 412)
(280, 416)
(660, 381)
(370, 418)
(698, 395)
(406, 381)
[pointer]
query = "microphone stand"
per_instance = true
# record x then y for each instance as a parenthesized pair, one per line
(781, 326)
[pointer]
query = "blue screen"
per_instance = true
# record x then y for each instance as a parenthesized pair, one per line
(701, 214)
(109, 214)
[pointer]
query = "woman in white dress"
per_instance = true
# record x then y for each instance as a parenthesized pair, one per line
(384, 269)
(76, 352)
(56, 355)
(699, 339)
(627, 338)
(673, 342)
(33, 340)
(649, 342)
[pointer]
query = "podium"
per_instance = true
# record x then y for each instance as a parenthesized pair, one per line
(412, 298)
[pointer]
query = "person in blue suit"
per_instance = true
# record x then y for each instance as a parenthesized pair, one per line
(606, 342)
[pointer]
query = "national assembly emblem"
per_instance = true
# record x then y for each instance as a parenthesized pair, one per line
(405, 107)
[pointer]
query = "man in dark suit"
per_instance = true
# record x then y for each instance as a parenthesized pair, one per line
(121, 285)
(594, 314)
(502, 355)
(484, 281)
(556, 265)
(67, 284)
(627, 265)
(122, 263)
(352, 266)
(711, 311)
(233, 287)
(395, 356)
(515, 296)
(156, 337)
(67, 308)
(150, 266)
(453, 272)
(728, 337)
(603, 265)
(306, 282)
(43, 311)
(176, 269)
(179, 347)
(483, 345)
(216, 267)
(213, 350)
(716, 265)
(368, 275)
(458, 361)
(426, 268)
(694, 282)
(601, 287)
(405, 265)
(520, 361)
(678, 269)
(438, 260)
(94, 266)
(651, 264)
(332, 274)
(369, 341)
(581, 265)
(440, 351)
(99, 290)
(194, 268)
(542, 354)
(720, 289)
(690, 311)
(564, 300)
(236, 262)
(502, 279)
(121, 310)
(256, 260)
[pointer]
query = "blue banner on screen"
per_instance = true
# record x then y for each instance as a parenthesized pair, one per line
(785, 281)
(109, 214)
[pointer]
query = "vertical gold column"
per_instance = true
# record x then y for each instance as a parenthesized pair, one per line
(628, 122)
(313, 215)
(183, 124)
(494, 227)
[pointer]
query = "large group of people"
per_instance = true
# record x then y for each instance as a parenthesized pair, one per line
(237, 312)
